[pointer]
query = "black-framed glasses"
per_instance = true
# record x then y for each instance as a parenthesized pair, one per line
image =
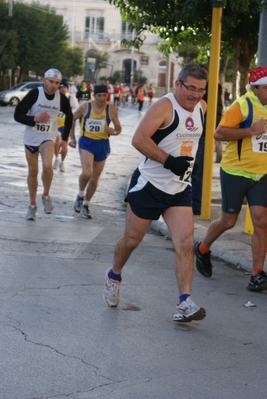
(193, 89)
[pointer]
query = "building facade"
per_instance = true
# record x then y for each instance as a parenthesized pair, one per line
(97, 26)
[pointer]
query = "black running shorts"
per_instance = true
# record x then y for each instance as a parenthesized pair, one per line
(150, 202)
(236, 188)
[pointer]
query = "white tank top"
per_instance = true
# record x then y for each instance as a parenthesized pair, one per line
(179, 138)
(43, 131)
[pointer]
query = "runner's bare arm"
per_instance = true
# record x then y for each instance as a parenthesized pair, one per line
(159, 115)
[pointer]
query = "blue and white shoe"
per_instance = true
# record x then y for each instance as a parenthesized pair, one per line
(187, 311)
(111, 292)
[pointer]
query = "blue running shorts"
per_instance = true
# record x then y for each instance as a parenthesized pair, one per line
(99, 148)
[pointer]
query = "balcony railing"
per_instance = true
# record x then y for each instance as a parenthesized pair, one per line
(107, 36)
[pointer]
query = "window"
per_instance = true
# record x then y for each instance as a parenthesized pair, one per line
(94, 26)
(30, 86)
(125, 30)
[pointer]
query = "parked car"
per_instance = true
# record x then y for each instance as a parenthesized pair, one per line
(16, 93)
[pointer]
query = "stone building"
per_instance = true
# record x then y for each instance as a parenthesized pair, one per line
(97, 26)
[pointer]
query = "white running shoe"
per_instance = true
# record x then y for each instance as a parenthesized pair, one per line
(47, 203)
(111, 292)
(187, 311)
(62, 167)
(31, 214)
(56, 164)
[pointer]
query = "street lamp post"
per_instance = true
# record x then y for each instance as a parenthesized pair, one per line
(168, 74)
(73, 24)
(132, 63)
(262, 52)
(132, 68)
(10, 8)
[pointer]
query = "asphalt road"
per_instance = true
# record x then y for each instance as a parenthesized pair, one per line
(59, 340)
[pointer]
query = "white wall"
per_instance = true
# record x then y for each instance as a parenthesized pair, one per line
(74, 13)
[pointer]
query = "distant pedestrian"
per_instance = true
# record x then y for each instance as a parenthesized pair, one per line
(83, 94)
(167, 136)
(110, 90)
(133, 93)
(117, 94)
(39, 110)
(125, 94)
(243, 174)
(72, 88)
(90, 88)
(61, 148)
(150, 93)
(96, 116)
(140, 95)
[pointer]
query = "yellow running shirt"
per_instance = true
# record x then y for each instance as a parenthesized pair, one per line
(95, 126)
(248, 155)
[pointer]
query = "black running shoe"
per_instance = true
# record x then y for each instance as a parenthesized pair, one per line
(203, 263)
(258, 282)
(86, 212)
(78, 204)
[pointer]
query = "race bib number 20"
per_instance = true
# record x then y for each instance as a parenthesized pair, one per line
(95, 125)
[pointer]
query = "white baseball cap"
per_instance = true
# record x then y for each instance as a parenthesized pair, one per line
(53, 73)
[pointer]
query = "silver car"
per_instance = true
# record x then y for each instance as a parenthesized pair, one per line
(16, 93)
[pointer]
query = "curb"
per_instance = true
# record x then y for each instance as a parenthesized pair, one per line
(234, 252)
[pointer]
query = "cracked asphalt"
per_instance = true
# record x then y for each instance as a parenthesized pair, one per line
(59, 340)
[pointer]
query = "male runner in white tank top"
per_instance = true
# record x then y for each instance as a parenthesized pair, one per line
(168, 138)
(39, 111)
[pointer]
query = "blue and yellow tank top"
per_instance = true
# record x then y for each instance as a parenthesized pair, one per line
(95, 126)
(61, 120)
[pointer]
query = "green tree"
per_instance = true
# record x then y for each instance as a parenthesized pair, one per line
(75, 62)
(41, 38)
(101, 62)
(8, 49)
(35, 39)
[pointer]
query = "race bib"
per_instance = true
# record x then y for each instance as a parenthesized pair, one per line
(185, 178)
(95, 126)
(185, 151)
(259, 143)
(61, 115)
(50, 125)
(42, 127)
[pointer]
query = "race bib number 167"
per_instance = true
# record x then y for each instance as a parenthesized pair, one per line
(42, 127)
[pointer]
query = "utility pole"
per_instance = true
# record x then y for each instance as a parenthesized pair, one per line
(132, 63)
(73, 24)
(217, 7)
(168, 74)
(262, 50)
